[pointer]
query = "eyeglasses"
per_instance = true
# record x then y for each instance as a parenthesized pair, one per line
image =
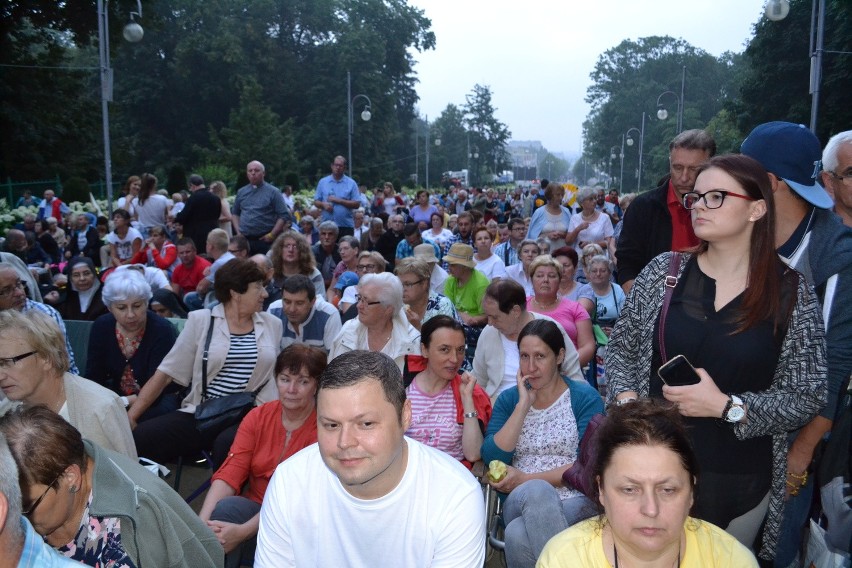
(410, 285)
(366, 267)
(9, 290)
(6, 362)
(290, 246)
(234, 251)
(359, 299)
(842, 178)
(713, 199)
(38, 501)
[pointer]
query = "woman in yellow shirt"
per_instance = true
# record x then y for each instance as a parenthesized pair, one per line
(645, 472)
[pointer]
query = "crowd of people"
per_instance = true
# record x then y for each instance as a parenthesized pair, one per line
(388, 347)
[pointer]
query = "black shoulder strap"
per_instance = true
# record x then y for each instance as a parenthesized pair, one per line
(204, 359)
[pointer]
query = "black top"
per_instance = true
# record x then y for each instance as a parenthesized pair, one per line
(199, 216)
(645, 232)
(738, 363)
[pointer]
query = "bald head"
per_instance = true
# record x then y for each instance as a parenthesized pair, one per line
(255, 172)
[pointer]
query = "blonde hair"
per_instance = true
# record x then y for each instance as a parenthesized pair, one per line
(545, 260)
(41, 333)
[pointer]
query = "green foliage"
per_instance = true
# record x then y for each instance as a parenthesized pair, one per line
(217, 172)
(777, 71)
(629, 79)
(75, 189)
(487, 133)
(292, 179)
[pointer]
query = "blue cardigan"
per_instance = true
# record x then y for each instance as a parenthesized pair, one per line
(105, 364)
(585, 402)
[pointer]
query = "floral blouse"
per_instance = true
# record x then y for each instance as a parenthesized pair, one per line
(98, 542)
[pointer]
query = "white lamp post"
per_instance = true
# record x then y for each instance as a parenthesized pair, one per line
(366, 115)
(133, 32)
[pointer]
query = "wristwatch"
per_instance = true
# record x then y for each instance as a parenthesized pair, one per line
(734, 411)
(474, 414)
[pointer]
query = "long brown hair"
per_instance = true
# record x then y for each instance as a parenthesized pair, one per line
(762, 299)
(306, 261)
(149, 187)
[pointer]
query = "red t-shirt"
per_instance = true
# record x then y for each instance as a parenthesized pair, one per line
(683, 237)
(189, 277)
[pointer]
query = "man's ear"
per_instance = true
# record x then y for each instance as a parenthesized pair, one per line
(4, 510)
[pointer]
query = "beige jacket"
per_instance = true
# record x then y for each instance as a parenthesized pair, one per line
(183, 363)
(98, 414)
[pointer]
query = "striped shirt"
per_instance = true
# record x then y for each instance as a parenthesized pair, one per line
(433, 420)
(238, 367)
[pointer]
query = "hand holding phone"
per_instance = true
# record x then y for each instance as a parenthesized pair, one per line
(678, 372)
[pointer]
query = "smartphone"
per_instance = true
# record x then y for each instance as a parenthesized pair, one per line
(678, 372)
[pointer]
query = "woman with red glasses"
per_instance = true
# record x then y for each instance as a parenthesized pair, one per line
(750, 327)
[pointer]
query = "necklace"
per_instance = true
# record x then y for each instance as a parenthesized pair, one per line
(546, 306)
(615, 555)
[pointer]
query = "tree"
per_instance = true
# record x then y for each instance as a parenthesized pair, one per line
(487, 134)
(777, 71)
(451, 154)
(628, 80)
(241, 141)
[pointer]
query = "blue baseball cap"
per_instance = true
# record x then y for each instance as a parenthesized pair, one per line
(346, 280)
(793, 153)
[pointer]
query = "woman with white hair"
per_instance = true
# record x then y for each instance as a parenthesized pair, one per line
(381, 324)
(127, 344)
(589, 225)
(36, 373)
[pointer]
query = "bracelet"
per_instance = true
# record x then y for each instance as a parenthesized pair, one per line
(624, 401)
(473, 414)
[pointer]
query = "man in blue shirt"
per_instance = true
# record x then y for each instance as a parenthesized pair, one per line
(337, 196)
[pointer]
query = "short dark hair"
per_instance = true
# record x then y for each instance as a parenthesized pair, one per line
(42, 443)
(438, 322)
(241, 242)
(185, 241)
(353, 367)
(567, 251)
(299, 356)
(235, 275)
(410, 229)
(646, 422)
(123, 213)
(299, 283)
(695, 139)
(514, 222)
(508, 294)
(547, 331)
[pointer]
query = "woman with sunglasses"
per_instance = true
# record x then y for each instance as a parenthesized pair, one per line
(752, 329)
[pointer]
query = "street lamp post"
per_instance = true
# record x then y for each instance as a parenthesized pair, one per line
(133, 32)
(663, 114)
(641, 144)
(621, 174)
(437, 143)
(612, 156)
(365, 114)
(777, 10)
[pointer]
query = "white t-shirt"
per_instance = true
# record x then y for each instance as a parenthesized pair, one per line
(492, 267)
(124, 246)
(438, 279)
(512, 357)
(434, 517)
(597, 230)
(152, 213)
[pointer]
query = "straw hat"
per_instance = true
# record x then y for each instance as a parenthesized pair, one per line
(426, 252)
(460, 253)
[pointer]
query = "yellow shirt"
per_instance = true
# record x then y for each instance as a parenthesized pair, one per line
(581, 546)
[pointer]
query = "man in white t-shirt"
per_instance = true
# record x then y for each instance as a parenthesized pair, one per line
(365, 495)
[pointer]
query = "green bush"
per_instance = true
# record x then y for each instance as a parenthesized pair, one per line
(292, 179)
(218, 172)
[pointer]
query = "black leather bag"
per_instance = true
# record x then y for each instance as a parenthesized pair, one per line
(216, 414)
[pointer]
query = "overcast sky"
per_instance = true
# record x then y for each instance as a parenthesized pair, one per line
(536, 55)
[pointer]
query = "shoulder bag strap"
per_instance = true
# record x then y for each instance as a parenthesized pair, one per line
(204, 359)
(671, 282)
(614, 299)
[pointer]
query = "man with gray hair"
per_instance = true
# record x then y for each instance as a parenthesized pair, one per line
(365, 494)
(259, 212)
(837, 174)
(657, 221)
(22, 547)
(13, 296)
(325, 251)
